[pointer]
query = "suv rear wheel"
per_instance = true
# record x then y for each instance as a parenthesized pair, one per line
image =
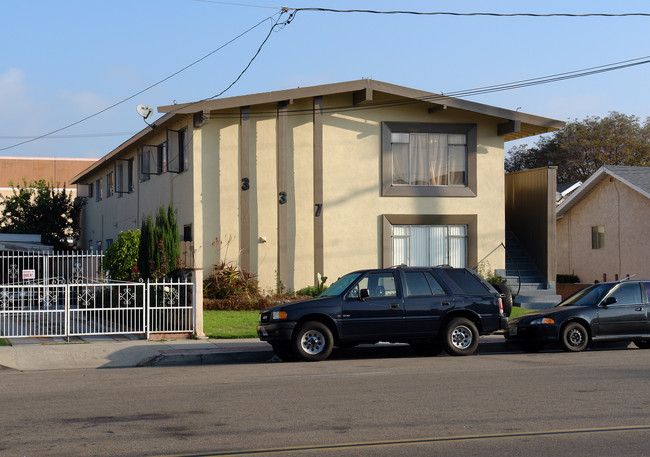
(313, 341)
(460, 337)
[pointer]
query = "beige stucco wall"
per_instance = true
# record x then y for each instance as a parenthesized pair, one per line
(352, 204)
(105, 219)
(624, 213)
(208, 195)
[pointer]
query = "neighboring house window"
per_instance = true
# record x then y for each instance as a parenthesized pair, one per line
(90, 190)
(598, 237)
(98, 187)
(109, 241)
(109, 184)
(427, 159)
(187, 232)
(429, 240)
(430, 245)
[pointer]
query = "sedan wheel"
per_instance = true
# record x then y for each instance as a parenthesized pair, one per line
(574, 337)
(313, 341)
(460, 337)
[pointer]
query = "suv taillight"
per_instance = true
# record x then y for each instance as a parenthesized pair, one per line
(500, 305)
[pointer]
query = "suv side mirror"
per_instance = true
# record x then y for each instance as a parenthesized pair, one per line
(609, 301)
(363, 294)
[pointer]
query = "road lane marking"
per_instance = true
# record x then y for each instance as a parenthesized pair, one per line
(413, 441)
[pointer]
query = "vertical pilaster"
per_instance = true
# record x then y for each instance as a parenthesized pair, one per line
(319, 263)
(244, 194)
(283, 196)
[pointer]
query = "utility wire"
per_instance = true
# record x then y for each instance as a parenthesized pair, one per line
(449, 13)
(142, 91)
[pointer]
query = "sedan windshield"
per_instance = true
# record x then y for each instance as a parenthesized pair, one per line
(590, 296)
(340, 285)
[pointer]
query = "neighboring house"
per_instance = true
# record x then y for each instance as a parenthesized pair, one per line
(59, 171)
(323, 179)
(602, 227)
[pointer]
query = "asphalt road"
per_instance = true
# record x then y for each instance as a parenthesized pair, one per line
(380, 403)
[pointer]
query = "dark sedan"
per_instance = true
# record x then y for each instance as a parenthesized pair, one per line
(611, 311)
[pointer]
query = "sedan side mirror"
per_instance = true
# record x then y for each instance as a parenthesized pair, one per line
(363, 294)
(609, 301)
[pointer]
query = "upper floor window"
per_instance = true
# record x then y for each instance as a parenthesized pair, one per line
(98, 188)
(109, 184)
(427, 159)
(177, 146)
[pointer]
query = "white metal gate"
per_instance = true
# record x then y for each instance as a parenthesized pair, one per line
(79, 302)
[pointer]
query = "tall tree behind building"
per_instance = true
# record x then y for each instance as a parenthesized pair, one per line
(582, 147)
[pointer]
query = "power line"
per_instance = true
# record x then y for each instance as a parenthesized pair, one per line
(450, 13)
(433, 98)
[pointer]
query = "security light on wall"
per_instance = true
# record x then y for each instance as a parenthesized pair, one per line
(145, 111)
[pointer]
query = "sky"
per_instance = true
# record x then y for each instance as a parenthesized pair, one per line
(65, 61)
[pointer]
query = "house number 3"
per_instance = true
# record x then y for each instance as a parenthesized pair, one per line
(283, 198)
(245, 184)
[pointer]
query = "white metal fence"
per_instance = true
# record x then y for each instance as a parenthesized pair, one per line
(78, 301)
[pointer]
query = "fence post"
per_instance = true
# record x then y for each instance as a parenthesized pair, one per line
(145, 306)
(66, 306)
(197, 302)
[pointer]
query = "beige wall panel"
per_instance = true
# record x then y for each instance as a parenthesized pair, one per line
(301, 210)
(229, 187)
(265, 188)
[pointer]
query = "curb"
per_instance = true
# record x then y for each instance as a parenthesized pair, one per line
(215, 357)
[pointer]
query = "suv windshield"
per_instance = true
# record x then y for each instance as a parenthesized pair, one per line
(590, 296)
(340, 285)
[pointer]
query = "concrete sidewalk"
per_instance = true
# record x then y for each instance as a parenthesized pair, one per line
(121, 351)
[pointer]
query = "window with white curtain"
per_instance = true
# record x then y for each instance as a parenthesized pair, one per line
(429, 245)
(429, 159)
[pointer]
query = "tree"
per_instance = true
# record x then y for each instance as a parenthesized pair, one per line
(39, 208)
(121, 257)
(582, 147)
(159, 251)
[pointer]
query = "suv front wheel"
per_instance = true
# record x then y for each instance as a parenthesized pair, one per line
(313, 341)
(460, 337)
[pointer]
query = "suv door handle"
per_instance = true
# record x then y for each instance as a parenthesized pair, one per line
(394, 306)
(445, 303)
(638, 309)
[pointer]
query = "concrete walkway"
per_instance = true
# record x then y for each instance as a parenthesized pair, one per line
(121, 351)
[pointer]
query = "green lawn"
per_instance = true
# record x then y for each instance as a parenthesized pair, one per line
(230, 324)
(516, 311)
(4, 342)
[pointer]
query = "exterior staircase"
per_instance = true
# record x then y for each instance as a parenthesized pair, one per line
(533, 291)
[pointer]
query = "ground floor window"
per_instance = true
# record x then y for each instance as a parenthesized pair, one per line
(429, 245)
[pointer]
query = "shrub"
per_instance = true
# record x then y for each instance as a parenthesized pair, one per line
(121, 257)
(567, 279)
(228, 281)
